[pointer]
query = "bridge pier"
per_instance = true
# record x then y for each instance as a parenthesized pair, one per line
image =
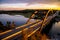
(33, 37)
(38, 35)
(24, 34)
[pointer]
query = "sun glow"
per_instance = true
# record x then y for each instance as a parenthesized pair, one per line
(19, 6)
(44, 6)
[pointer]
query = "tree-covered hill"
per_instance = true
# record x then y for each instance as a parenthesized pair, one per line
(26, 13)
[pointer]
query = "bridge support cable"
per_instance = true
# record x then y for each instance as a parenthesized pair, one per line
(32, 16)
(44, 20)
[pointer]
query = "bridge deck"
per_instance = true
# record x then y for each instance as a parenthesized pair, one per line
(25, 31)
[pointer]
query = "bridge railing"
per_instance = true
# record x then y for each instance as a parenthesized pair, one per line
(23, 26)
(45, 21)
(28, 32)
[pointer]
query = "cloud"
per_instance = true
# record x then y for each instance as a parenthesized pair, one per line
(57, 2)
(13, 1)
(29, 4)
(30, 1)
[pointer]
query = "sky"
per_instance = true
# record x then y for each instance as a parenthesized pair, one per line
(29, 4)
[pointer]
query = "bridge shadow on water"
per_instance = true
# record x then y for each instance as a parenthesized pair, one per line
(48, 27)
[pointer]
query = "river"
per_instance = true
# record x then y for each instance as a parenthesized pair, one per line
(20, 20)
(54, 32)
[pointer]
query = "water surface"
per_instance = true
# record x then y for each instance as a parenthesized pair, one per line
(55, 31)
(18, 19)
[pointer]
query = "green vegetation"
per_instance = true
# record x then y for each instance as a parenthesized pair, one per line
(9, 25)
(26, 13)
